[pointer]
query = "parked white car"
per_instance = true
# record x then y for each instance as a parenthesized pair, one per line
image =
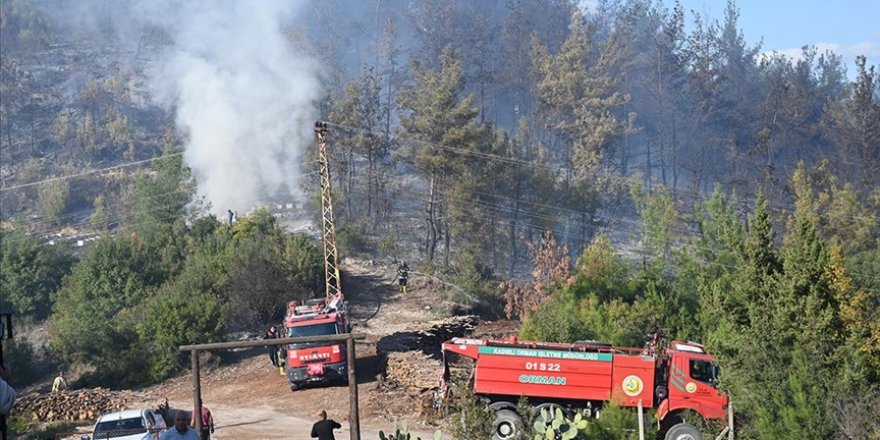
(132, 424)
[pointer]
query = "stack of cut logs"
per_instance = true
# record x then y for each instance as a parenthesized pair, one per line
(428, 341)
(84, 404)
(411, 359)
(411, 369)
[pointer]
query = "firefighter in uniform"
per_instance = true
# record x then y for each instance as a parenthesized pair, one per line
(402, 276)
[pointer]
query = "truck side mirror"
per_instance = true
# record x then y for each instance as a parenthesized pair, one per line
(5, 325)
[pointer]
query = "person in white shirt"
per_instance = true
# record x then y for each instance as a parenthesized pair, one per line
(181, 430)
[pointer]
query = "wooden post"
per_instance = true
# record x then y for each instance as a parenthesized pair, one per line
(730, 420)
(641, 421)
(197, 393)
(354, 420)
(352, 376)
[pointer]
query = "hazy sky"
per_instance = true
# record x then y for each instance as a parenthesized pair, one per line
(848, 27)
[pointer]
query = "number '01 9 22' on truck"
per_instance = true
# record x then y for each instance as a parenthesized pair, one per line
(670, 377)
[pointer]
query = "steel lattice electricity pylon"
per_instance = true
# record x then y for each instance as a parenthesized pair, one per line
(331, 263)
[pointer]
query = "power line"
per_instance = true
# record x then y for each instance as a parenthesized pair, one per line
(480, 206)
(86, 173)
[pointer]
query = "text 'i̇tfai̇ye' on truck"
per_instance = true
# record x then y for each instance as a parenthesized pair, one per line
(677, 379)
(319, 362)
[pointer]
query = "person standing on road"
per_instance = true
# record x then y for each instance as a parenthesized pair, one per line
(59, 384)
(323, 429)
(207, 423)
(272, 333)
(181, 430)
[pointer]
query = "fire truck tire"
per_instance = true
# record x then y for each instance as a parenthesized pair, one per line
(506, 425)
(683, 431)
(295, 386)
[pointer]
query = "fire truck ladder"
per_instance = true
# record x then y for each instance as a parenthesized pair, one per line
(331, 262)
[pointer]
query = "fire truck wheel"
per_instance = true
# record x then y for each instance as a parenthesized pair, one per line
(295, 386)
(683, 431)
(506, 425)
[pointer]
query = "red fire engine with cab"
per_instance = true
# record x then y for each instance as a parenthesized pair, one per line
(315, 361)
(671, 377)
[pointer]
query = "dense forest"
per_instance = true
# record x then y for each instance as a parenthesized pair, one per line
(595, 173)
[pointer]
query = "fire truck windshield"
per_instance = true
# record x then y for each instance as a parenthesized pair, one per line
(312, 330)
(704, 371)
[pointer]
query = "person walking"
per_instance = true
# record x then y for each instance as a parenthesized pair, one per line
(181, 430)
(59, 384)
(323, 428)
(207, 423)
(272, 333)
(7, 399)
(402, 276)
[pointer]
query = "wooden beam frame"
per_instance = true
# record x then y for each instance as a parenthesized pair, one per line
(354, 421)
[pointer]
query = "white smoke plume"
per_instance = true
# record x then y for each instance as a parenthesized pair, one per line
(243, 97)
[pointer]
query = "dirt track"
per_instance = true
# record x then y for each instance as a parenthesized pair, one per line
(251, 400)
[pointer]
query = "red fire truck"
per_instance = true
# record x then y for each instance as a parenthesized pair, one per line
(319, 361)
(671, 377)
(315, 361)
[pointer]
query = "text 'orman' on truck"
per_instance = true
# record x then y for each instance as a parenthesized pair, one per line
(671, 377)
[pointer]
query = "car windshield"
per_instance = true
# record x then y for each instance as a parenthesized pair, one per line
(310, 330)
(120, 428)
(704, 371)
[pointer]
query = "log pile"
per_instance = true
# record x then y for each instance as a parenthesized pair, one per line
(411, 369)
(410, 360)
(428, 341)
(83, 404)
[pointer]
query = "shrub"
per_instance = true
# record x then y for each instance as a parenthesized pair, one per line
(469, 418)
(555, 320)
(175, 318)
(388, 246)
(88, 323)
(24, 361)
(350, 238)
(30, 274)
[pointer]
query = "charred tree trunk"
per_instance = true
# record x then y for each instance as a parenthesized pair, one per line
(513, 248)
(371, 176)
(432, 239)
(350, 182)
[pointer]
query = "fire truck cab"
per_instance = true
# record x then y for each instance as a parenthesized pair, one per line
(315, 361)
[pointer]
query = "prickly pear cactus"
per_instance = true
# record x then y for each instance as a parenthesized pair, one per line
(396, 436)
(404, 435)
(557, 426)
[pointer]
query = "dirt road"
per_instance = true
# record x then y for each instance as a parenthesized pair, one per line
(251, 400)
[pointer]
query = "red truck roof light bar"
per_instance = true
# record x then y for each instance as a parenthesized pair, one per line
(690, 347)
